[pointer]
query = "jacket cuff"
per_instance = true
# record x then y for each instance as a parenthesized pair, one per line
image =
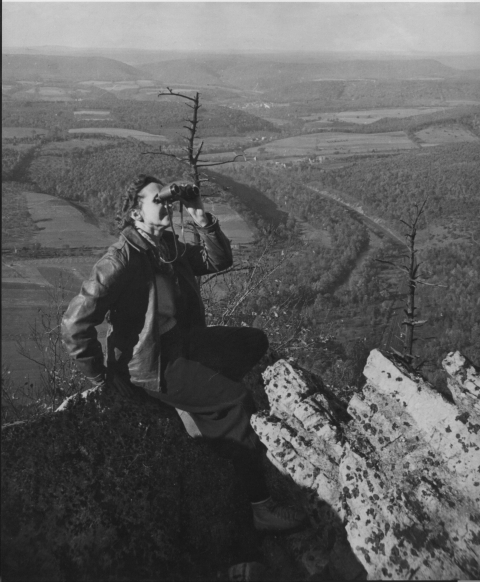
(212, 226)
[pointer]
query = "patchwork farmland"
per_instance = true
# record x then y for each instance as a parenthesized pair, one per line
(366, 116)
(119, 132)
(329, 143)
(447, 134)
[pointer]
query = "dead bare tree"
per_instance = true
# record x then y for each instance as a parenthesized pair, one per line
(412, 269)
(192, 153)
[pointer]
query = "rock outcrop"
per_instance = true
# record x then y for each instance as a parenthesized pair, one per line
(399, 470)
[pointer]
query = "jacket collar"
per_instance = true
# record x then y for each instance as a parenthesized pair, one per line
(138, 242)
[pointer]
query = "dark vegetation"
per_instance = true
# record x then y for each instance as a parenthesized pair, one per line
(113, 490)
(17, 224)
(449, 176)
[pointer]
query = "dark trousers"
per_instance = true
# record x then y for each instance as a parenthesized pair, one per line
(202, 371)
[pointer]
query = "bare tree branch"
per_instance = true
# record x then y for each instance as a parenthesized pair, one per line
(176, 94)
(431, 284)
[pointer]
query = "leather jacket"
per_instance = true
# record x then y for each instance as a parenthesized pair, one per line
(122, 283)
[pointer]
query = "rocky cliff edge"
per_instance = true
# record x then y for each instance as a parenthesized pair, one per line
(398, 471)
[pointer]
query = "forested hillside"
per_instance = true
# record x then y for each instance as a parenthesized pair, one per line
(263, 74)
(65, 68)
(467, 116)
(98, 180)
(157, 117)
(388, 188)
(376, 93)
(448, 175)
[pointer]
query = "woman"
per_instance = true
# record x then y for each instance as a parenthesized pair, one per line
(158, 343)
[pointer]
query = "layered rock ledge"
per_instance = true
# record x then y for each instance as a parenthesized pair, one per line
(400, 469)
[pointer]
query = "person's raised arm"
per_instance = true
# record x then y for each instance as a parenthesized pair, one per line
(214, 253)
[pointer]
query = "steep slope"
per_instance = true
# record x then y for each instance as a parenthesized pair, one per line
(65, 68)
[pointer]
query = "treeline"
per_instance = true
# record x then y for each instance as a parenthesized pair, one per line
(449, 175)
(11, 158)
(98, 180)
(389, 188)
(453, 310)
(157, 117)
(320, 268)
(368, 93)
(467, 116)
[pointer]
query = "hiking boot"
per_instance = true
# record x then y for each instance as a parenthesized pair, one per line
(271, 516)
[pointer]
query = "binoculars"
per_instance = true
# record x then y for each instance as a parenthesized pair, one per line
(174, 191)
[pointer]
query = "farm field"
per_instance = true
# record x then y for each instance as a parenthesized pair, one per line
(227, 141)
(49, 91)
(119, 132)
(22, 300)
(119, 85)
(61, 224)
(21, 132)
(366, 116)
(334, 143)
(437, 135)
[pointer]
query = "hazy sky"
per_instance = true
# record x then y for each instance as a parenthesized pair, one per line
(310, 26)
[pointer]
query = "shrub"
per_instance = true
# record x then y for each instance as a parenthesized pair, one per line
(113, 490)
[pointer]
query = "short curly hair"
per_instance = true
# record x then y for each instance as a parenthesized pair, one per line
(130, 200)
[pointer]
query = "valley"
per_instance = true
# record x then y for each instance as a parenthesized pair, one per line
(311, 148)
(337, 144)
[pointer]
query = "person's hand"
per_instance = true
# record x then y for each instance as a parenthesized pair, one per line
(196, 209)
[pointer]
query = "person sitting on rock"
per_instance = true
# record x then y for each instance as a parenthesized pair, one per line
(158, 343)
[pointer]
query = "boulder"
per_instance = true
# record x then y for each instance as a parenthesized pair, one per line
(400, 471)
